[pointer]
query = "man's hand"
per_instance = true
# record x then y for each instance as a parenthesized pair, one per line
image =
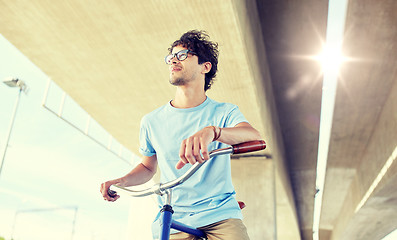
(195, 148)
(142, 173)
(104, 190)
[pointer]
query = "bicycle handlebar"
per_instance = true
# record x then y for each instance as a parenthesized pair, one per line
(160, 189)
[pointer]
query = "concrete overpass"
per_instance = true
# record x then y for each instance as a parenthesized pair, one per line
(108, 56)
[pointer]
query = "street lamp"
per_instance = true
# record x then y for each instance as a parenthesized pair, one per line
(12, 82)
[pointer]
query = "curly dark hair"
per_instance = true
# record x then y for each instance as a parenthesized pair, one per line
(207, 51)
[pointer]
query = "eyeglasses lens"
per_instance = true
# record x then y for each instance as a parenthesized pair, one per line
(181, 55)
(168, 59)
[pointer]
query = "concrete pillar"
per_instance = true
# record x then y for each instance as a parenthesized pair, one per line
(253, 180)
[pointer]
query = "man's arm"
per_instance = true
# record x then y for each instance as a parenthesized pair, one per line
(191, 147)
(242, 132)
(139, 175)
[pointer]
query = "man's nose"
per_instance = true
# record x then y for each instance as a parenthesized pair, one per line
(174, 59)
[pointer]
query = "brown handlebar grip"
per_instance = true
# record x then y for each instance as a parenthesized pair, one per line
(251, 146)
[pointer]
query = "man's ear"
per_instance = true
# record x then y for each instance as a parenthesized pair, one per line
(206, 67)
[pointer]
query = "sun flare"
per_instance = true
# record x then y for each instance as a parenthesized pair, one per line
(331, 59)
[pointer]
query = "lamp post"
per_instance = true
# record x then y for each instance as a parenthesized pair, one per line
(12, 82)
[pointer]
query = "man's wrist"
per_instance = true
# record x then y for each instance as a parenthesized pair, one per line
(217, 132)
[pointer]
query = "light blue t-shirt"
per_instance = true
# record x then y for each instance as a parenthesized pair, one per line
(208, 196)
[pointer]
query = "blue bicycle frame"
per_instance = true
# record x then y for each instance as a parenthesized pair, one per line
(166, 221)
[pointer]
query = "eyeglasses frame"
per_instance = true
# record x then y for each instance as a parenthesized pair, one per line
(187, 51)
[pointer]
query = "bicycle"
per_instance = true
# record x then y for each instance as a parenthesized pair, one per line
(165, 189)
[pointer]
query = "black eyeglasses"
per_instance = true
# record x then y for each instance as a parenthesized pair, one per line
(181, 55)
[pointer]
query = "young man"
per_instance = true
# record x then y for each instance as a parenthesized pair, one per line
(183, 132)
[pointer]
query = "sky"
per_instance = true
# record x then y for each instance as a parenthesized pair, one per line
(49, 184)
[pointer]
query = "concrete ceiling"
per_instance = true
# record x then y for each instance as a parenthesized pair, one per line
(108, 56)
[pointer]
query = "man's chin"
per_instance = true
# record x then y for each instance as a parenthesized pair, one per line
(177, 81)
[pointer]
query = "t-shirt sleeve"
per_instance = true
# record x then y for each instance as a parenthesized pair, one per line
(145, 145)
(234, 117)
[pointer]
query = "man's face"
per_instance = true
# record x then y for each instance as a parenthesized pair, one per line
(183, 72)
